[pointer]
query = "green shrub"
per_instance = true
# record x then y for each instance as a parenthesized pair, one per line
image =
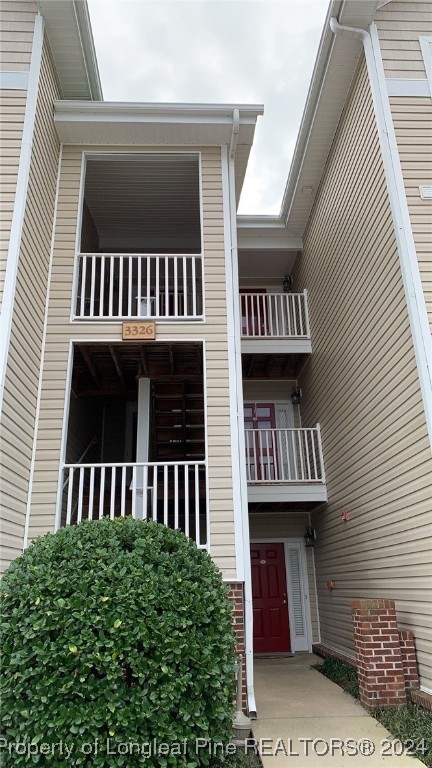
(114, 633)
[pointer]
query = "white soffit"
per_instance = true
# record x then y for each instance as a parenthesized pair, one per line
(335, 67)
(68, 28)
(130, 125)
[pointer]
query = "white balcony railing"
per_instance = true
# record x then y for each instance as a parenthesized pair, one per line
(274, 315)
(122, 286)
(171, 493)
(284, 456)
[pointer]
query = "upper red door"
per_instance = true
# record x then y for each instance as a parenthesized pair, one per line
(269, 596)
(260, 444)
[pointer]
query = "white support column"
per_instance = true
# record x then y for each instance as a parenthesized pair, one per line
(142, 447)
(143, 435)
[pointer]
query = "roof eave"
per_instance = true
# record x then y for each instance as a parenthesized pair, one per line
(363, 12)
(72, 17)
(171, 125)
(89, 49)
(106, 110)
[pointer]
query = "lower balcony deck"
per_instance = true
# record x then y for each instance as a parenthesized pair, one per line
(285, 465)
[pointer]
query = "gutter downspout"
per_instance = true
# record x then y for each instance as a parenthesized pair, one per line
(422, 340)
(243, 569)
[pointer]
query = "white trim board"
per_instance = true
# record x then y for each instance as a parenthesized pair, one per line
(408, 86)
(426, 49)
(14, 81)
(20, 201)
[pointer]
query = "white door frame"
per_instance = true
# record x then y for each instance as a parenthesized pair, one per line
(290, 542)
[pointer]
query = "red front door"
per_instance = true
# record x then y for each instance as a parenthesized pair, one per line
(269, 597)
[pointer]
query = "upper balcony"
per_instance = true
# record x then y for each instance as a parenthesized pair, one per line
(274, 322)
(139, 245)
(120, 286)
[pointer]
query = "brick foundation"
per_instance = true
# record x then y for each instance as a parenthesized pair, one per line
(422, 699)
(236, 596)
(409, 660)
(328, 653)
(380, 662)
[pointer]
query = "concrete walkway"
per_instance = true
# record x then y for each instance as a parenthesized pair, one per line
(306, 720)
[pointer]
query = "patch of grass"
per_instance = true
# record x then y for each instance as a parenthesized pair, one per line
(411, 725)
(239, 760)
(340, 673)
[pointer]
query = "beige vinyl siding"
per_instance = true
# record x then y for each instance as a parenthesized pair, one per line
(16, 34)
(283, 525)
(22, 373)
(412, 119)
(214, 332)
(361, 384)
(400, 24)
(12, 111)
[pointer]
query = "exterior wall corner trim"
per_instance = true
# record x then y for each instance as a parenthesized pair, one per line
(11, 273)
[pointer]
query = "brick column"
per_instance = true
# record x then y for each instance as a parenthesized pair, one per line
(409, 659)
(378, 654)
(236, 596)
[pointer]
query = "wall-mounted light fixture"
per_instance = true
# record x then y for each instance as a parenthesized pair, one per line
(310, 536)
(287, 284)
(296, 396)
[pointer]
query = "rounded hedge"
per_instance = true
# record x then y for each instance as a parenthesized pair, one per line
(115, 635)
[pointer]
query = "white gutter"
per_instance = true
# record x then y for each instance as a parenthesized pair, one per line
(247, 112)
(422, 340)
(88, 47)
(11, 274)
(241, 519)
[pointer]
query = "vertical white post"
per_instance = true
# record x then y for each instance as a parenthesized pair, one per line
(142, 447)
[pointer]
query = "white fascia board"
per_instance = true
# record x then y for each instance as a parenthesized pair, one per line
(256, 232)
(181, 112)
(267, 241)
(247, 221)
(88, 48)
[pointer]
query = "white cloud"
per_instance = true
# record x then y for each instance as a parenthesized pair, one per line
(239, 51)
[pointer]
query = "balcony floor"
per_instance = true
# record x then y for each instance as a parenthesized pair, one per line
(272, 346)
(286, 492)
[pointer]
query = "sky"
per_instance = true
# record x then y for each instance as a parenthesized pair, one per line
(221, 51)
